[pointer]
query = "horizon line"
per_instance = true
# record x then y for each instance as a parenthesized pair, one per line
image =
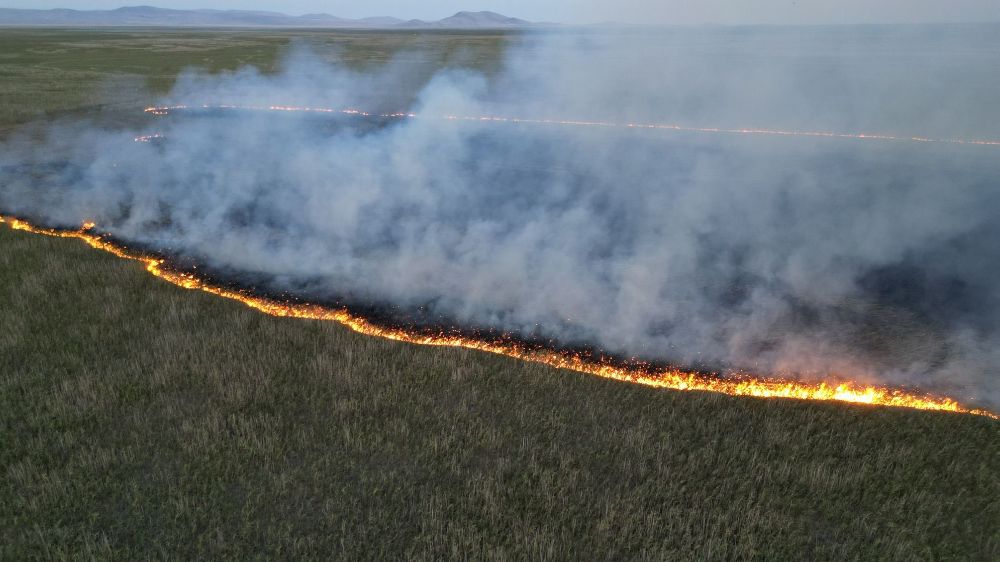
(527, 23)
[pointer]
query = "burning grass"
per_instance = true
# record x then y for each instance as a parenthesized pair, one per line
(143, 421)
(734, 384)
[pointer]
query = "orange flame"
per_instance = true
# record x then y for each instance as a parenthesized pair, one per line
(675, 379)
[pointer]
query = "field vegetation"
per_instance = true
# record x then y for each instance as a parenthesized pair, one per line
(139, 420)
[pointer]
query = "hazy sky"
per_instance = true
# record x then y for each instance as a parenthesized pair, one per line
(580, 11)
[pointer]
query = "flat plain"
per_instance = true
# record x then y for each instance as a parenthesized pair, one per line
(143, 421)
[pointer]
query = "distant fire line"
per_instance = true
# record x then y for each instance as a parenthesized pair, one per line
(165, 110)
(740, 384)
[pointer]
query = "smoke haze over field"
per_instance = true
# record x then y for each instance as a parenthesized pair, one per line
(729, 12)
(867, 259)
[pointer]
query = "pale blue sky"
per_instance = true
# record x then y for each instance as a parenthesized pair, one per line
(582, 11)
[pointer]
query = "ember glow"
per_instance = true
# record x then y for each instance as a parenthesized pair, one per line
(165, 110)
(736, 384)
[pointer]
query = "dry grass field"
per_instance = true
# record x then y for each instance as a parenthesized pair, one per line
(143, 421)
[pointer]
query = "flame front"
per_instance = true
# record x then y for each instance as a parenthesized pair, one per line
(165, 110)
(675, 379)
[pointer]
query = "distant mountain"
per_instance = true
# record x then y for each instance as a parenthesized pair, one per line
(467, 20)
(151, 16)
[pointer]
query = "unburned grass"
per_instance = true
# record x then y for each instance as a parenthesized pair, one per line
(143, 420)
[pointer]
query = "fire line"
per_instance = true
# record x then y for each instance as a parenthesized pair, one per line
(739, 384)
(165, 110)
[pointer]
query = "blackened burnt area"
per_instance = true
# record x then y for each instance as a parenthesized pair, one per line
(420, 320)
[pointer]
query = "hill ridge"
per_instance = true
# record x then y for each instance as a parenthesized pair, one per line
(145, 15)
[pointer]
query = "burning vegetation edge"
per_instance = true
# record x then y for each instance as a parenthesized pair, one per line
(368, 321)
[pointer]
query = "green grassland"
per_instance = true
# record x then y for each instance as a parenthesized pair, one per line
(139, 420)
(48, 72)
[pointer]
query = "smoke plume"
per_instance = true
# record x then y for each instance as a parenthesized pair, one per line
(810, 257)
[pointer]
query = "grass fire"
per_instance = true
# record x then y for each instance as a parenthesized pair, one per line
(433, 292)
(736, 384)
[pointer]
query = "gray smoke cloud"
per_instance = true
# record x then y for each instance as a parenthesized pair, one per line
(866, 259)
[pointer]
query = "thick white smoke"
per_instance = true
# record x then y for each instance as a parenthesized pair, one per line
(866, 259)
